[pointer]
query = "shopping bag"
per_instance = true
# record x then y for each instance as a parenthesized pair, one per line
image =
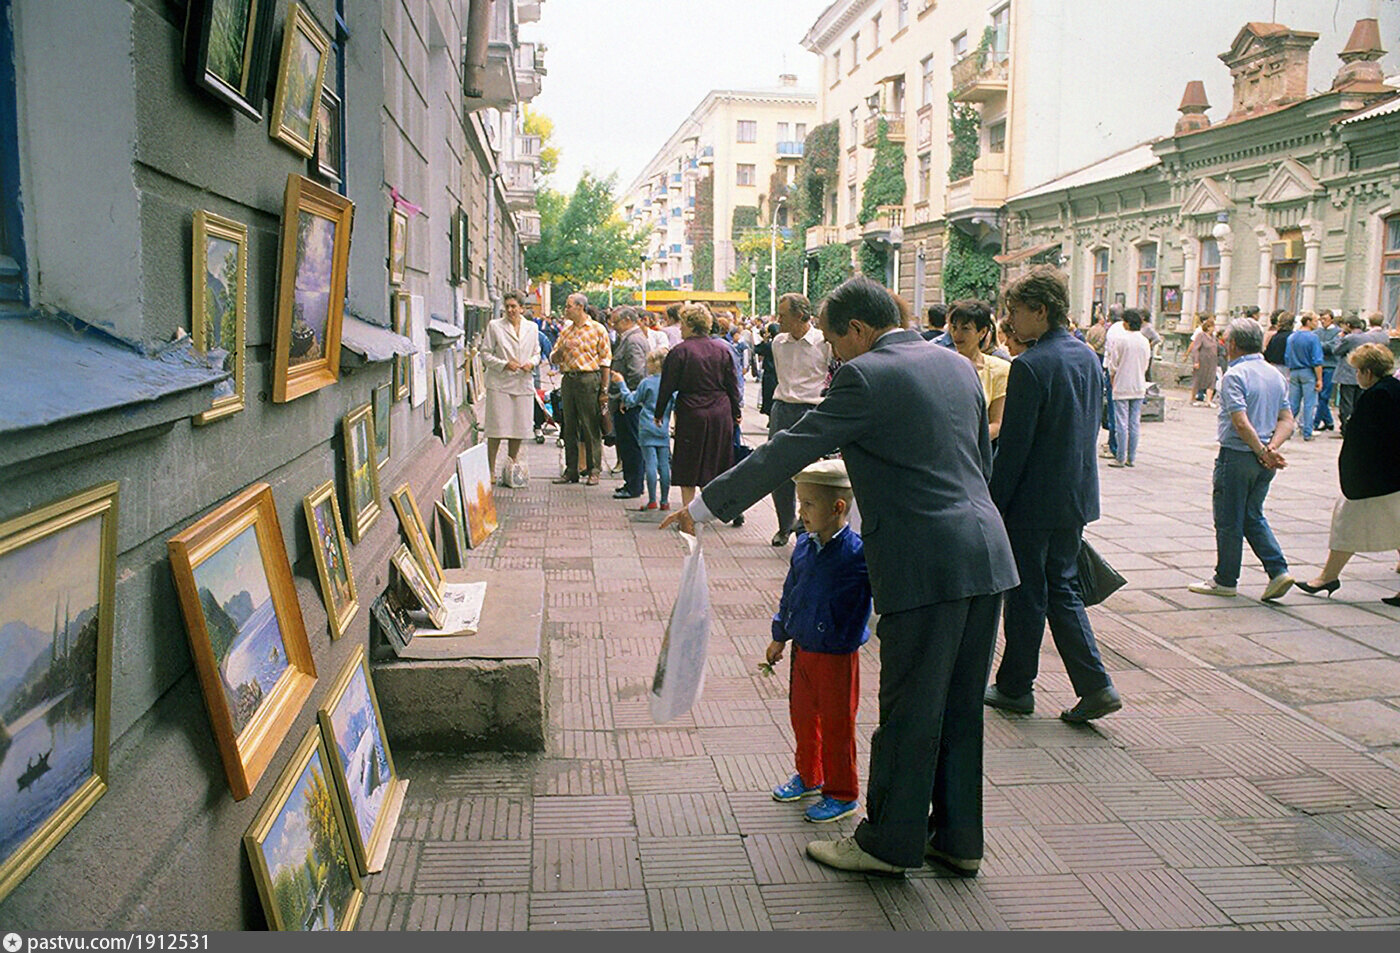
(1095, 579)
(680, 671)
(518, 475)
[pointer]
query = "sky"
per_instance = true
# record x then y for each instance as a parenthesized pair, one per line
(623, 74)
(63, 565)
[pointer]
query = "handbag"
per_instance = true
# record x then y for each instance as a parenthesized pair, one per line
(1095, 579)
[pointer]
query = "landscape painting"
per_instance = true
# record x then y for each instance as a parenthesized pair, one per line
(403, 367)
(452, 502)
(447, 412)
(361, 470)
(416, 532)
(226, 50)
(411, 573)
(328, 136)
(220, 302)
(332, 557)
(312, 295)
(55, 672)
(303, 68)
(382, 398)
(398, 245)
(300, 849)
(477, 497)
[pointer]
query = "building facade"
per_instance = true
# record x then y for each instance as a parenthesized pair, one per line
(117, 146)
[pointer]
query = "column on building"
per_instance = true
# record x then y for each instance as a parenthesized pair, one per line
(1225, 241)
(1312, 262)
(1266, 237)
(1188, 279)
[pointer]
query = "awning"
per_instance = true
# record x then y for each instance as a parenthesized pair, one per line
(443, 330)
(371, 341)
(890, 78)
(1021, 254)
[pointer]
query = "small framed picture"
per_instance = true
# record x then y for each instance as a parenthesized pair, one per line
(459, 244)
(305, 49)
(391, 617)
(1120, 298)
(453, 545)
(398, 245)
(332, 557)
(411, 520)
(382, 399)
(1170, 299)
(403, 363)
(411, 573)
(227, 48)
(361, 470)
(447, 411)
(219, 304)
(329, 133)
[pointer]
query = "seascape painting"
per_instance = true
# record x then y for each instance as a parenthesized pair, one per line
(221, 289)
(477, 496)
(229, 48)
(315, 259)
(363, 751)
(50, 595)
(241, 620)
(302, 75)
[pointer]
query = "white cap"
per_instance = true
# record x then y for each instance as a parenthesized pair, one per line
(825, 473)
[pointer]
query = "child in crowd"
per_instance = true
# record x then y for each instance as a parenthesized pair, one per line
(654, 440)
(824, 610)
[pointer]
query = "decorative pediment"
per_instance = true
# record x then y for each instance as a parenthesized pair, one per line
(1205, 198)
(1290, 183)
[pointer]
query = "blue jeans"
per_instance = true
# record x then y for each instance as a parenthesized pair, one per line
(656, 463)
(1110, 424)
(1302, 397)
(1324, 398)
(1238, 488)
(1127, 417)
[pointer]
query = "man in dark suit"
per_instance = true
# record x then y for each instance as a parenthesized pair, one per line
(911, 423)
(1046, 484)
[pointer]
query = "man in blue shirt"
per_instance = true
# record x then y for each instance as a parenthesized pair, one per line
(1254, 422)
(1303, 357)
(1327, 333)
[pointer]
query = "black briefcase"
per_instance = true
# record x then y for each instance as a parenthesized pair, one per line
(1095, 579)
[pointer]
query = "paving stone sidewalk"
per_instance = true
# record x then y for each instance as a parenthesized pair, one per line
(1252, 780)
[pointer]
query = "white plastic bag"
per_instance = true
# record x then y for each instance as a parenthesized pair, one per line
(518, 475)
(680, 671)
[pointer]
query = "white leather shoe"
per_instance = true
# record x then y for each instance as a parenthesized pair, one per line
(846, 854)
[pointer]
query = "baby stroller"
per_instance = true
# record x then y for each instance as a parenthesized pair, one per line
(546, 405)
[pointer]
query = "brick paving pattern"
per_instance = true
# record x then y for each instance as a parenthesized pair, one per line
(1252, 780)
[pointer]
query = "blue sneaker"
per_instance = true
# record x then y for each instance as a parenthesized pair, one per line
(829, 809)
(794, 789)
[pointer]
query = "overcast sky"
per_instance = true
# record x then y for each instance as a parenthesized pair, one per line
(623, 74)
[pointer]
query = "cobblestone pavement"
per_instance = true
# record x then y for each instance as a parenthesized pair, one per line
(1251, 781)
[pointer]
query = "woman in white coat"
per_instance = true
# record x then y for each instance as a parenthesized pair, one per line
(510, 350)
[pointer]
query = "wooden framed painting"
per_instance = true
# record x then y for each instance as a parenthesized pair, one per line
(245, 628)
(403, 363)
(452, 501)
(447, 411)
(382, 399)
(478, 498)
(227, 47)
(300, 849)
(220, 305)
(57, 585)
(329, 135)
(370, 789)
(305, 49)
(1170, 299)
(411, 573)
(453, 544)
(361, 470)
(398, 245)
(417, 533)
(315, 254)
(332, 557)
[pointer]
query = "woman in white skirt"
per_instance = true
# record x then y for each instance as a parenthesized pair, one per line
(510, 350)
(1367, 517)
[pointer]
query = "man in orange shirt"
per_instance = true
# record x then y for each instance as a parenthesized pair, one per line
(581, 353)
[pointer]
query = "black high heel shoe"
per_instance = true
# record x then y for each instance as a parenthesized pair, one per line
(1327, 587)
(1392, 600)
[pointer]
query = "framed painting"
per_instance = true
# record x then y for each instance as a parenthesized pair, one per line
(361, 470)
(453, 545)
(392, 619)
(403, 363)
(227, 46)
(305, 49)
(370, 790)
(315, 254)
(220, 305)
(411, 573)
(417, 533)
(332, 557)
(478, 500)
(458, 247)
(330, 132)
(1170, 297)
(398, 245)
(382, 399)
(245, 628)
(457, 526)
(1120, 298)
(300, 850)
(447, 412)
(57, 585)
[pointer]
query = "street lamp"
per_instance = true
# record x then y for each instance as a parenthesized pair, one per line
(773, 257)
(644, 281)
(753, 285)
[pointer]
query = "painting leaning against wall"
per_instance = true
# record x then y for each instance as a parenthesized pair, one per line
(219, 298)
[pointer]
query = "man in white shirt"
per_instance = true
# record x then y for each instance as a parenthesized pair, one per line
(1126, 356)
(800, 355)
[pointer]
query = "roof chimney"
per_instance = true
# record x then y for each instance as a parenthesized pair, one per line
(1193, 109)
(1269, 63)
(790, 79)
(1360, 70)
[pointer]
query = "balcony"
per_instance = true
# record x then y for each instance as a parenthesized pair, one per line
(530, 71)
(821, 235)
(791, 149)
(519, 176)
(706, 156)
(894, 130)
(527, 148)
(886, 226)
(973, 204)
(527, 11)
(980, 77)
(529, 227)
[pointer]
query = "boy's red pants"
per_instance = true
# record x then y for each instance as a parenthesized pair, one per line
(823, 697)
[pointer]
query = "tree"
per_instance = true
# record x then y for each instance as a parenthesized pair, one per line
(583, 241)
(538, 124)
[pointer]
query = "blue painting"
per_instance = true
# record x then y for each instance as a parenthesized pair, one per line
(363, 752)
(312, 300)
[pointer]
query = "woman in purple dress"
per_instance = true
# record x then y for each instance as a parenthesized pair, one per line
(699, 372)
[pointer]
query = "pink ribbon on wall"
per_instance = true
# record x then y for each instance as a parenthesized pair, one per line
(403, 203)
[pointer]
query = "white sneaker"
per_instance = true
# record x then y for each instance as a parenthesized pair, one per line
(1211, 588)
(1277, 587)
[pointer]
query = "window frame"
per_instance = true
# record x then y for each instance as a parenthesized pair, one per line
(1146, 277)
(745, 125)
(992, 144)
(926, 80)
(1207, 277)
(874, 33)
(1390, 271)
(739, 174)
(959, 43)
(901, 14)
(1099, 283)
(14, 290)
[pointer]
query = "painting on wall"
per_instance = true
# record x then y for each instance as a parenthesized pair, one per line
(478, 500)
(361, 470)
(245, 629)
(329, 132)
(447, 410)
(303, 69)
(1171, 299)
(220, 302)
(403, 363)
(57, 584)
(452, 501)
(315, 254)
(299, 847)
(416, 532)
(382, 399)
(332, 557)
(411, 573)
(227, 47)
(398, 245)
(361, 762)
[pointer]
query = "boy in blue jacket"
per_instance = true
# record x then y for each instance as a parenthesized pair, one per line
(824, 611)
(653, 438)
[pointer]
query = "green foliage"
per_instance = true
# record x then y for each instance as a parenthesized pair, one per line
(701, 234)
(745, 218)
(965, 125)
(538, 124)
(829, 267)
(702, 259)
(873, 261)
(968, 271)
(226, 33)
(984, 46)
(885, 183)
(583, 241)
(821, 156)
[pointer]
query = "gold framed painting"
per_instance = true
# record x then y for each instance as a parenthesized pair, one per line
(403, 363)
(361, 470)
(382, 399)
(417, 533)
(300, 850)
(452, 502)
(314, 257)
(245, 629)
(305, 49)
(398, 245)
(332, 557)
(428, 598)
(57, 599)
(219, 302)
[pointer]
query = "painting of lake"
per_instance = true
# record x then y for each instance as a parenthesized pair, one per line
(302, 90)
(312, 287)
(49, 625)
(363, 751)
(221, 307)
(241, 619)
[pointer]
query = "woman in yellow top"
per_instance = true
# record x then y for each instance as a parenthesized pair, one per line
(970, 325)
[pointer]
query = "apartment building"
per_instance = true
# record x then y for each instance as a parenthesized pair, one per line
(726, 167)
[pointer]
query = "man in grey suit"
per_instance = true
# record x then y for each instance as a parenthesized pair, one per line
(911, 422)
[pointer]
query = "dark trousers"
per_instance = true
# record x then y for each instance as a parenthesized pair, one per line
(625, 424)
(1239, 485)
(926, 756)
(1324, 399)
(1046, 560)
(583, 421)
(1110, 421)
(781, 416)
(1346, 402)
